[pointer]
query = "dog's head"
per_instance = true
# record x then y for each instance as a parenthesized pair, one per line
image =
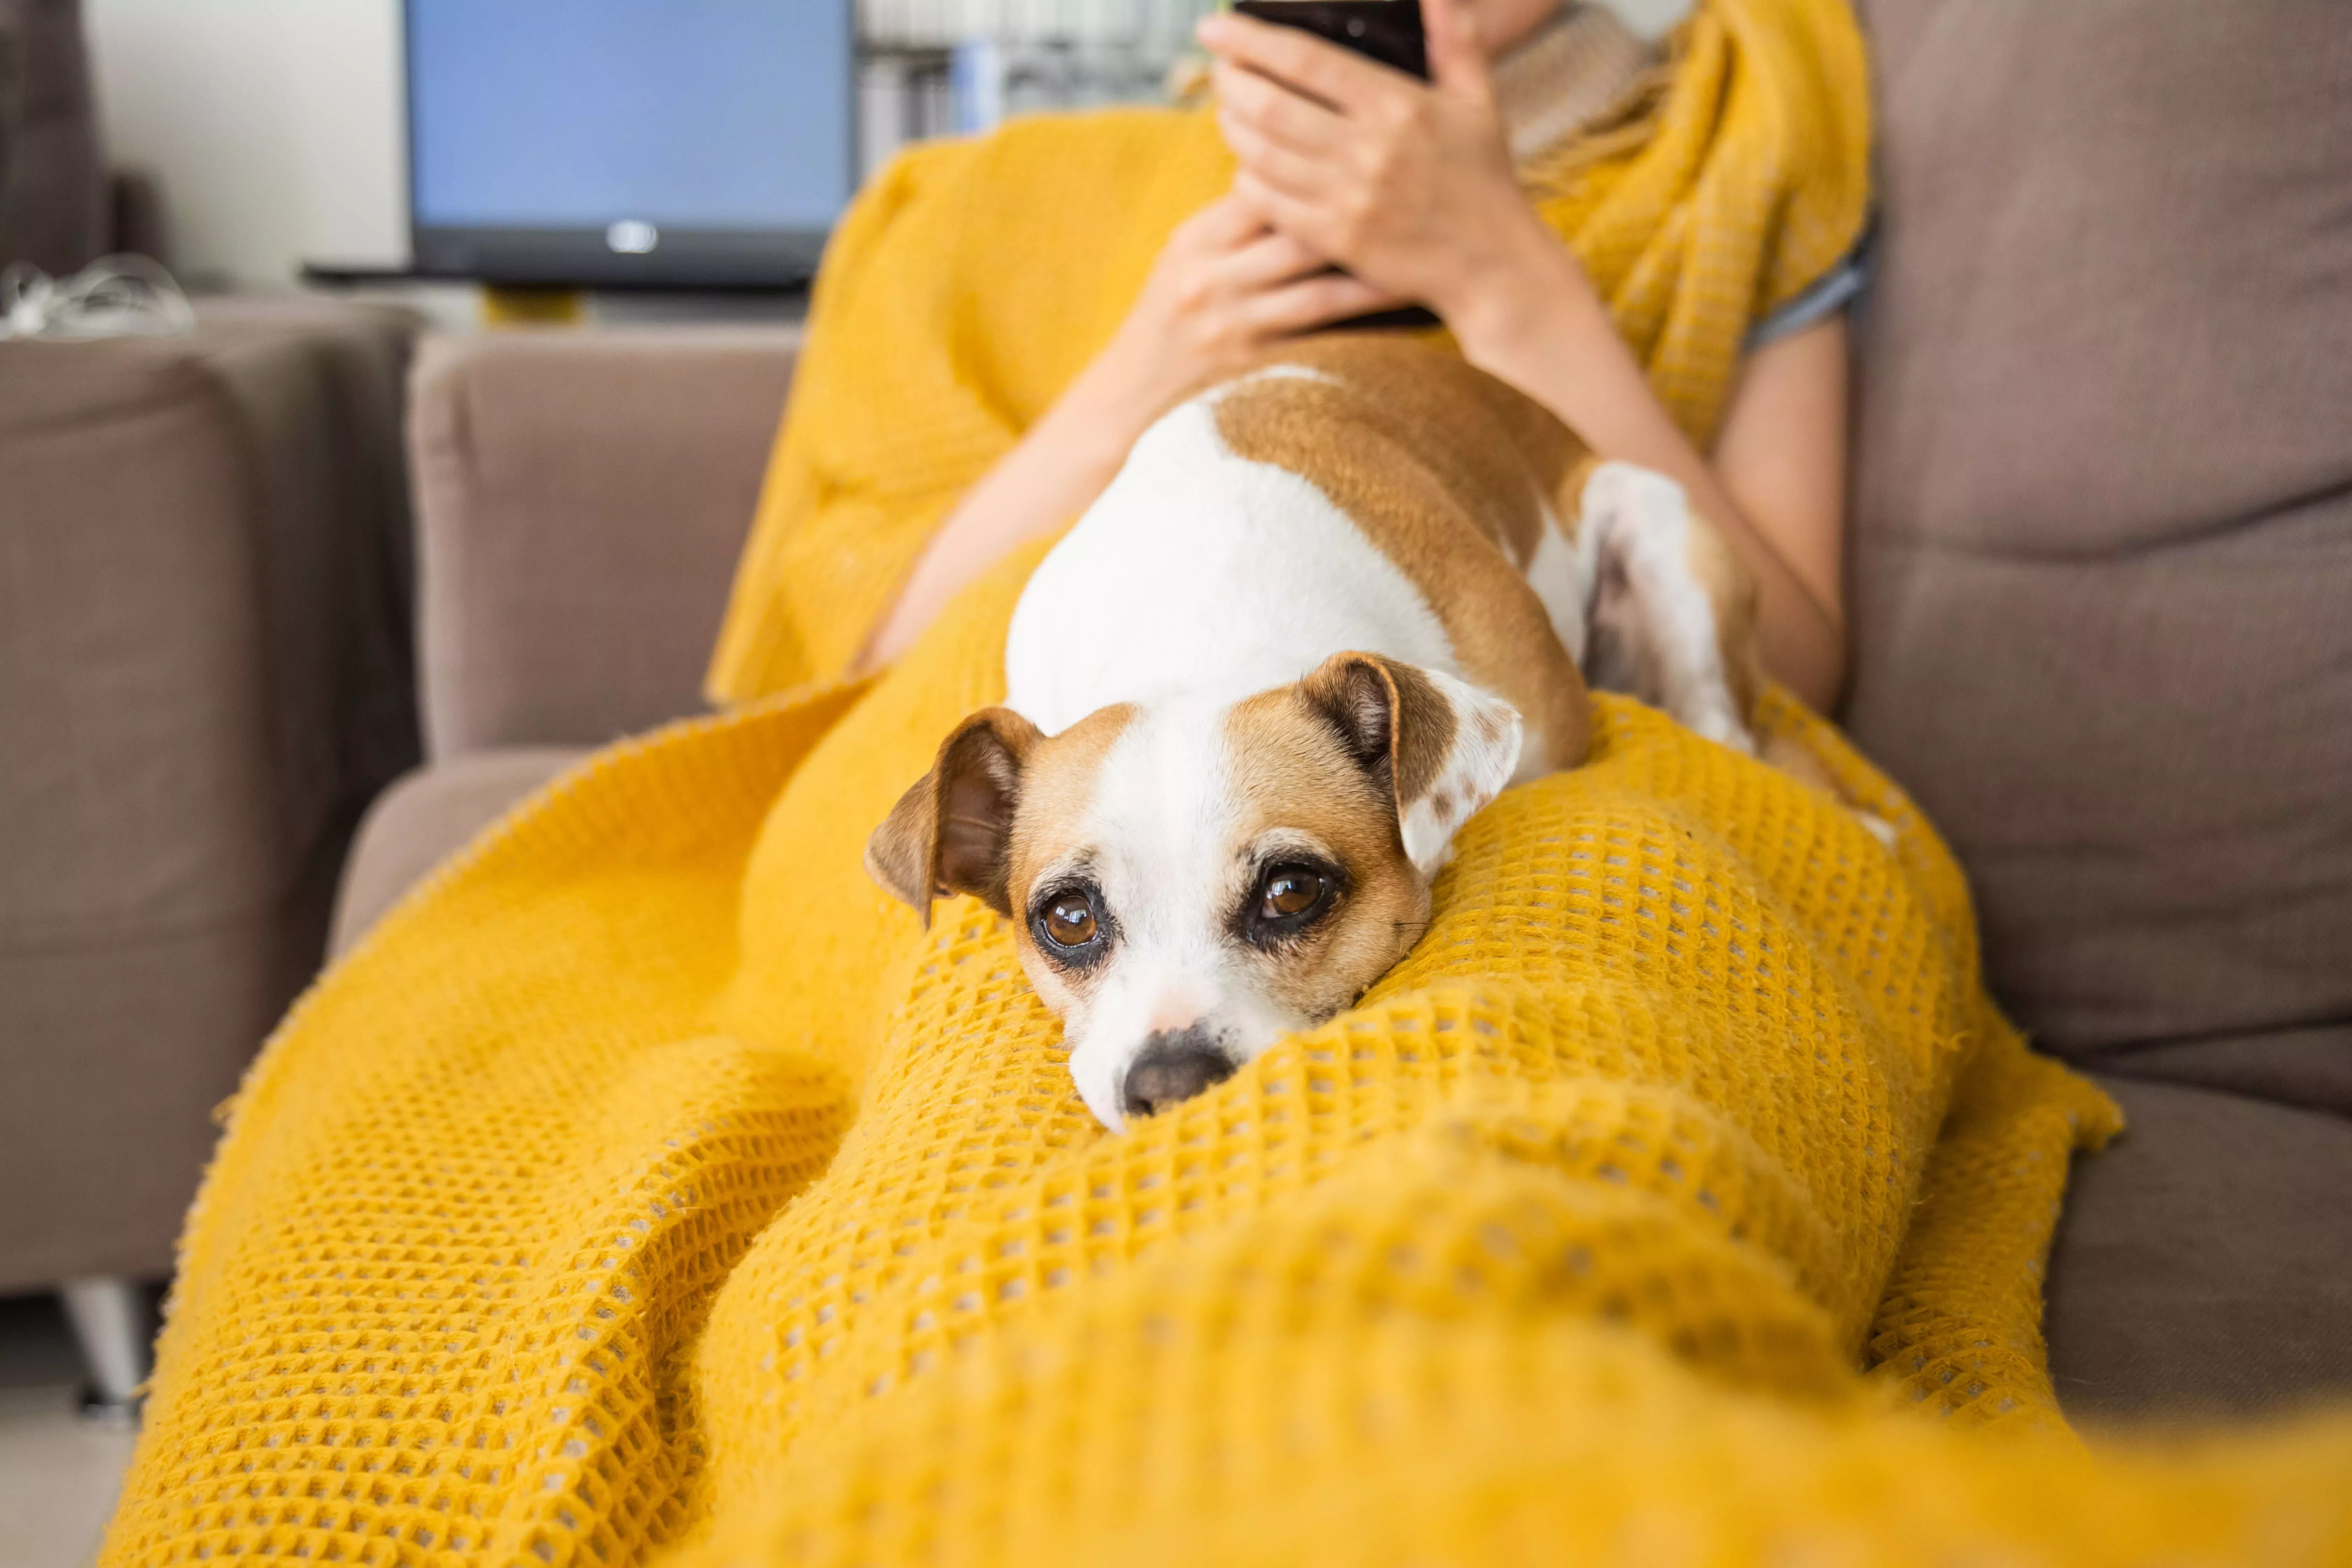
(1190, 882)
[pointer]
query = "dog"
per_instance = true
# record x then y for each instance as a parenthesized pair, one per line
(1328, 609)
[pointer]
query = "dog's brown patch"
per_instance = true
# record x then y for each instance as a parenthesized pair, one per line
(1059, 786)
(956, 829)
(1448, 472)
(1295, 772)
(1392, 718)
(948, 832)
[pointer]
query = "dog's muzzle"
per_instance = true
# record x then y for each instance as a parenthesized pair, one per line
(1174, 1065)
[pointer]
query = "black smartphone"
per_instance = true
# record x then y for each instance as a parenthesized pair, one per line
(1388, 31)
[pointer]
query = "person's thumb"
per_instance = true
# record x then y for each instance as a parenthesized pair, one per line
(1457, 59)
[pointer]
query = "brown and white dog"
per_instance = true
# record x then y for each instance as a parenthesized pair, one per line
(1327, 611)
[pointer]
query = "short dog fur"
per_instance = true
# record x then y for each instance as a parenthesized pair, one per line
(1327, 610)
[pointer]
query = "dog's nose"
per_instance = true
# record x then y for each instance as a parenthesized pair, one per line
(1174, 1065)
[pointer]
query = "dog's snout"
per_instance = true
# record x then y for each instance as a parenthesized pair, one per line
(1174, 1065)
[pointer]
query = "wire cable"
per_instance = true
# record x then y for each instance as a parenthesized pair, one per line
(113, 297)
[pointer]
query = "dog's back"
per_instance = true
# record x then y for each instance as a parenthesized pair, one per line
(1359, 492)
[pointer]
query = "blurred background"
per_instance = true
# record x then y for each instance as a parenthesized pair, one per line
(275, 128)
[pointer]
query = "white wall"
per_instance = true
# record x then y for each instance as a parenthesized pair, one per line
(1651, 16)
(274, 125)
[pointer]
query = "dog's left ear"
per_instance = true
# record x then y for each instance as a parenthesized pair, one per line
(951, 831)
(1443, 747)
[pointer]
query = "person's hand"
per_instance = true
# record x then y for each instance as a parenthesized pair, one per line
(1226, 287)
(1407, 185)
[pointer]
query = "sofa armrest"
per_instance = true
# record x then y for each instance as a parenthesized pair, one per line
(581, 497)
(204, 674)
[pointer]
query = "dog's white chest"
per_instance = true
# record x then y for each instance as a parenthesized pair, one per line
(1198, 572)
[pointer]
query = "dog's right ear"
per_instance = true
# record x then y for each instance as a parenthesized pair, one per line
(951, 831)
(1441, 747)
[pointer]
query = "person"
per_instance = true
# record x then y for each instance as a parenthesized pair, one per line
(1411, 188)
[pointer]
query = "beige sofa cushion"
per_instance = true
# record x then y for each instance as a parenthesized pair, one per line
(2103, 580)
(2203, 1266)
(426, 818)
(2103, 552)
(203, 677)
(581, 500)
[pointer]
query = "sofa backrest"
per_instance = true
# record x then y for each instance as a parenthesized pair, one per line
(580, 500)
(2103, 551)
(54, 204)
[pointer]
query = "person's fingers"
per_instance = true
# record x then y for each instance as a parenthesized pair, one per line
(1229, 222)
(1457, 57)
(1276, 166)
(1316, 301)
(1276, 112)
(1269, 259)
(1310, 65)
(1312, 224)
(1241, 194)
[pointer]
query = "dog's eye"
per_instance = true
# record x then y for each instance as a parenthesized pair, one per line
(1291, 890)
(1072, 928)
(1070, 920)
(1290, 899)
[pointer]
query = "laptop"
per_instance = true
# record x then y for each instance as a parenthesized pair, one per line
(618, 144)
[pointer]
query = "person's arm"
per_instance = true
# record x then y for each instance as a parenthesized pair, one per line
(1775, 488)
(1059, 467)
(1225, 287)
(1781, 452)
(1411, 187)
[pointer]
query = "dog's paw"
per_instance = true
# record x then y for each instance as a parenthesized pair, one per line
(1618, 490)
(1654, 633)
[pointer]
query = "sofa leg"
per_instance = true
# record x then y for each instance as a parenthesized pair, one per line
(116, 1331)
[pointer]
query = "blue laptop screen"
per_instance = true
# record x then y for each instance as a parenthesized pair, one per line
(719, 114)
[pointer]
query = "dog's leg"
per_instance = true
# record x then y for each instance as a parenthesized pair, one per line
(1672, 620)
(1667, 622)
(1561, 573)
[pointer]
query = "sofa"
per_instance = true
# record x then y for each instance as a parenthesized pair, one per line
(2102, 561)
(581, 499)
(205, 675)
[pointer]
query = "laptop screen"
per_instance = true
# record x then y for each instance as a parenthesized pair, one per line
(579, 114)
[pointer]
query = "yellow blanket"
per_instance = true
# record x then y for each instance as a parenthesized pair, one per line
(650, 1183)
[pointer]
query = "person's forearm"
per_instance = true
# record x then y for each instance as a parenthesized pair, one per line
(1225, 285)
(1550, 338)
(1055, 472)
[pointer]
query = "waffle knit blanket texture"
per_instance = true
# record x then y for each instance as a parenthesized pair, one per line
(650, 1186)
